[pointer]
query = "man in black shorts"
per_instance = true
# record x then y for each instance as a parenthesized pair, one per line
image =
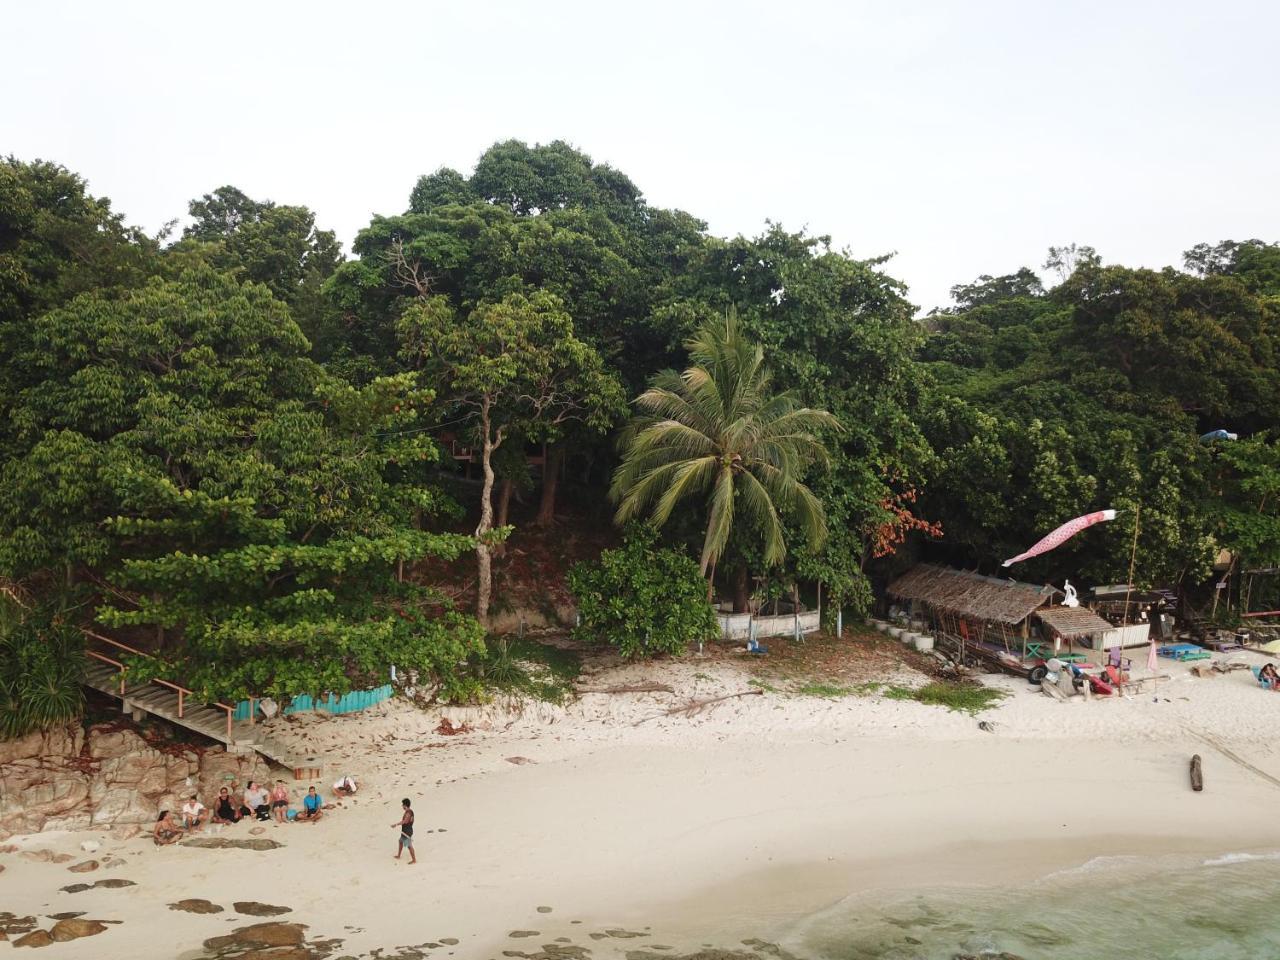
(406, 832)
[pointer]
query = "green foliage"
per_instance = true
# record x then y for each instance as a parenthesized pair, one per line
(41, 666)
(527, 667)
(643, 599)
(818, 688)
(178, 447)
(720, 430)
(959, 697)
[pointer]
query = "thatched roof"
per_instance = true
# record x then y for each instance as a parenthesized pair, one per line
(1073, 621)
(970, 594)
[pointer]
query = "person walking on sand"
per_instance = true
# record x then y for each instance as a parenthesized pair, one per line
(406, 832)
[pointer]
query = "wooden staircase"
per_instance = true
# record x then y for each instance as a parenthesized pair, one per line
(178, 705)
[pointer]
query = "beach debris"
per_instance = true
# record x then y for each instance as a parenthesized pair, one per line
(68, 915)
(689, 709)
(252, 908)
(986, 726)
(449, 941)
(65, 930)
(1197, 774)
(196, 905)
(519, 761)
(544, 909)
(519, 934)
(88, 866)
(90, 846)
(258, 830)
(446, 728)
(629, 688)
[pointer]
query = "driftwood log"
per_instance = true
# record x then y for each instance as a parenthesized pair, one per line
(1197, 774)
(692, 708)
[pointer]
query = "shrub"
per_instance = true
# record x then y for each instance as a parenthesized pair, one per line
(41, 666)
(643, 599)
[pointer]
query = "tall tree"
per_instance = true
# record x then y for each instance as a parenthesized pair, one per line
(184, 457)
(721, 431)
(512, 368)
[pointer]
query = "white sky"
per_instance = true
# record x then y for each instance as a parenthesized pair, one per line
(968, 137)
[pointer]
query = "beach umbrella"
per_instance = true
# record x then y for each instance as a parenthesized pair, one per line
(1062, 535)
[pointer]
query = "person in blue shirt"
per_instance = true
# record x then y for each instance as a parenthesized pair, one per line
(311, 806)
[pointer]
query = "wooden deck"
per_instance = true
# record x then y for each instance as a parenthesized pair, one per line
(104, 672)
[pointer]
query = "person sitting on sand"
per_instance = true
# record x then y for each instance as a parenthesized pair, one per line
(255, 798)
(194, 814)
(311, 806)
(346, 787)
(225, 811)
(1269, 676)
(280, 801)
(166, 830)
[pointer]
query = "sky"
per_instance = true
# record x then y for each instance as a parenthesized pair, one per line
(964, 138)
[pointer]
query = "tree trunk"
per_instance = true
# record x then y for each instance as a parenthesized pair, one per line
(741, 589)
(504, 510)
(550, 480)
(484, 553)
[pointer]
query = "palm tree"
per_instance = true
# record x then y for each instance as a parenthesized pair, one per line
(719, 430)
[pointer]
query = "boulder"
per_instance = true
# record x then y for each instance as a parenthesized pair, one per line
(272, 934)
(36, 938)
(196, 906)
(90, 846)
(123, 805)
(65, 930)
(87, 866)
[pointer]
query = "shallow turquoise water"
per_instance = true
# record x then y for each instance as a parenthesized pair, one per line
(1226, 908)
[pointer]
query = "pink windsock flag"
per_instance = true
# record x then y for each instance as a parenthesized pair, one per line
(1063, 534)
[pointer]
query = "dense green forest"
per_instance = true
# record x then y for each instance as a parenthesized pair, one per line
(233, 445)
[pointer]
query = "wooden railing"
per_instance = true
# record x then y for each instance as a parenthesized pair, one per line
(181, 691)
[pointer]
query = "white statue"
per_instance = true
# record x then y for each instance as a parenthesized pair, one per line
(1070, 599)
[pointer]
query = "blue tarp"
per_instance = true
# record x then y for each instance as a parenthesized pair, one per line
(347, 703)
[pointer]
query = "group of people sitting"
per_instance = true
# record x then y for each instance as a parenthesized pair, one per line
(255, 802)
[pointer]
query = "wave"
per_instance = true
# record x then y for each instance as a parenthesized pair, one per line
(1229, 858)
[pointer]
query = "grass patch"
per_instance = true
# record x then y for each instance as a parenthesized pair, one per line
(763, 685)
(525, 666)
(816, 688)
(961, 697)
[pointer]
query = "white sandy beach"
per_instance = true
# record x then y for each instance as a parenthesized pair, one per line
(703, 829)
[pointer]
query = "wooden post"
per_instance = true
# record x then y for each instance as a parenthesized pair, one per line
(253, 708)
(179, 703)
(1197, 774)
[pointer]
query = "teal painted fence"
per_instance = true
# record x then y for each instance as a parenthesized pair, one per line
(347, 703)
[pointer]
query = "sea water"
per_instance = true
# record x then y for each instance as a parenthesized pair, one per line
(1175, 908)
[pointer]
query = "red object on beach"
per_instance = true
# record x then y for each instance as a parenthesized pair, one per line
(1062, 535)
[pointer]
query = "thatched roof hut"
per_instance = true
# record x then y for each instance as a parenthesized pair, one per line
(971, 595)
(1072, 622)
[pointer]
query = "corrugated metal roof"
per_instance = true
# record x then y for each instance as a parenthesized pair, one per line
(1073, 621)
(971, 594)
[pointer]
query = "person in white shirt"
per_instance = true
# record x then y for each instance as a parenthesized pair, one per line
(255, 798)
(346, 786)
(194, 813)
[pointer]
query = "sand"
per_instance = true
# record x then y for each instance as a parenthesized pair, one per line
(728, 824)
